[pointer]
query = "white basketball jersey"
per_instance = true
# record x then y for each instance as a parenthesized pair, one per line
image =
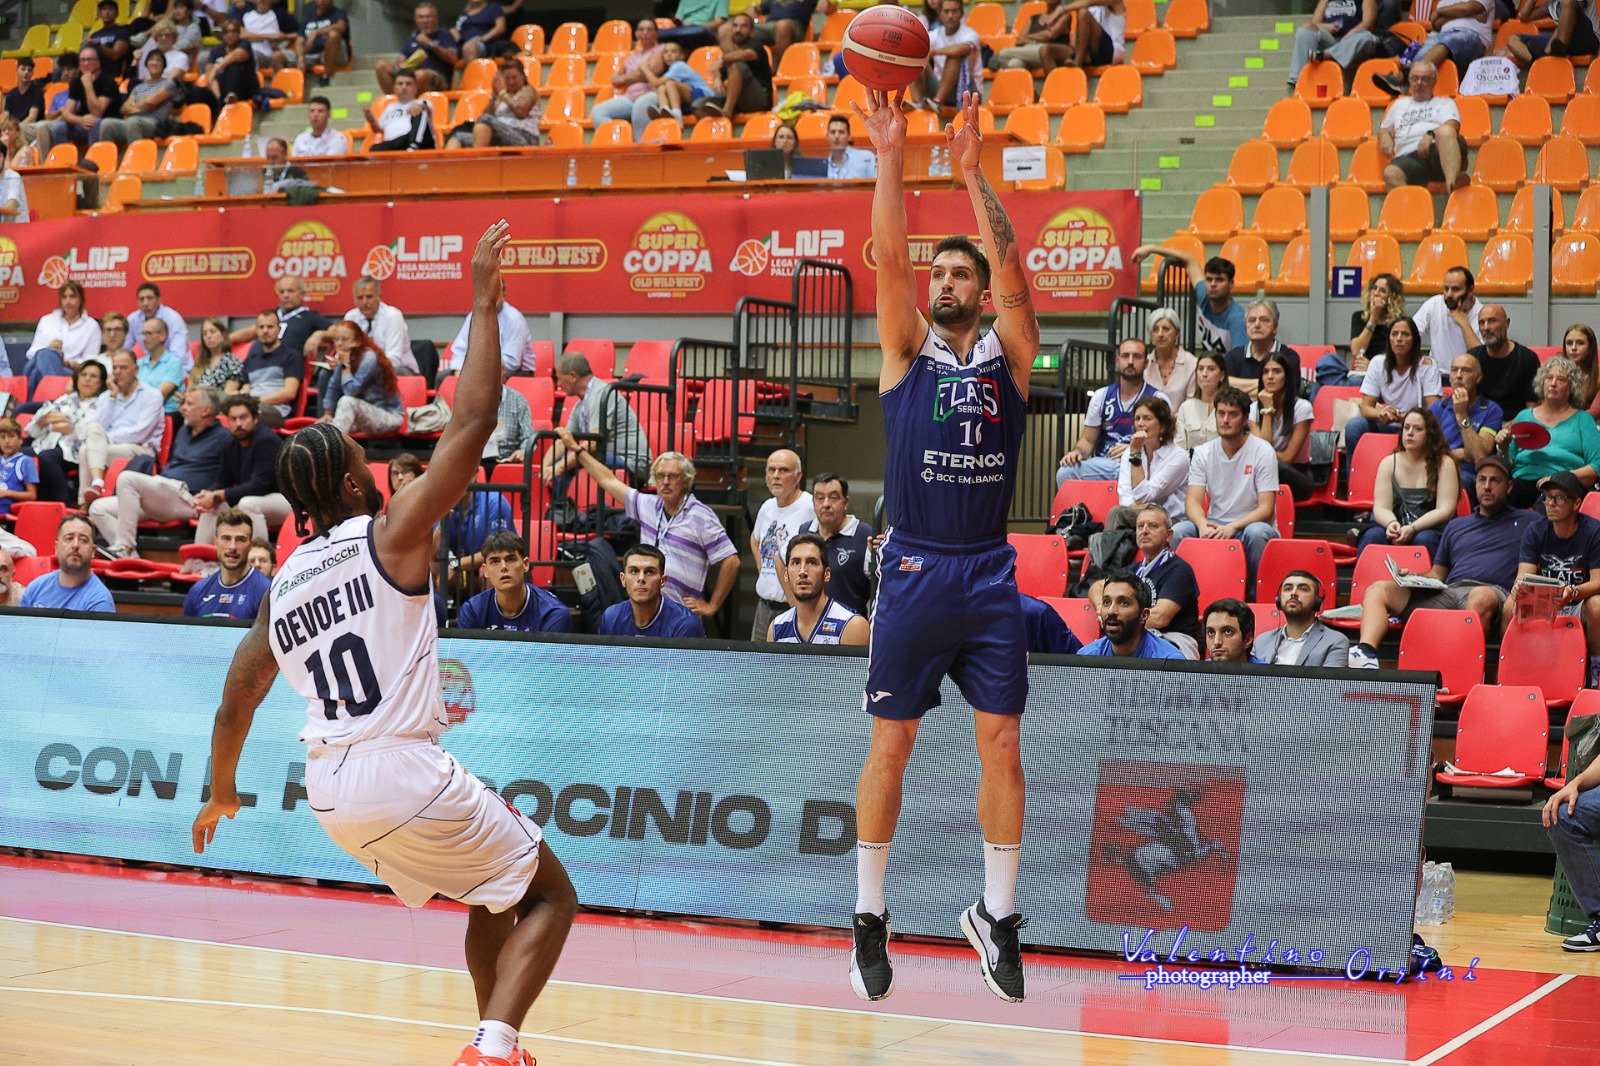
(363, 652)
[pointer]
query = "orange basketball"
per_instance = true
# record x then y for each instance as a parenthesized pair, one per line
(54, 273)
(886, 48)
(380, 263)
(750, 258)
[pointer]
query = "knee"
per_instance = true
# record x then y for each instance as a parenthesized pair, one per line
(1393, 176)
(890, 752)
(1591, 611)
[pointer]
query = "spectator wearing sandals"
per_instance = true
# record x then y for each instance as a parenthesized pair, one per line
(1052, 26)
(1574, 440)
(1416, 488)
(72, 586)
(248, 479)
(1341, 30)
(1153, 470)
(359, 392)
(1281, 418)
(53, 434)
(1197, 418)
(1468, 420)
(634, 81)
(1575, 33)
(64, 338)
(1382, 303)
(1108, 424)
(1394, 384)
(743, 76)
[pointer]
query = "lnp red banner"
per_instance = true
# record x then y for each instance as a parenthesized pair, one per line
(692, 254)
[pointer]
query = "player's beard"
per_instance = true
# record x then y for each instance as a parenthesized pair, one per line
(954, 315)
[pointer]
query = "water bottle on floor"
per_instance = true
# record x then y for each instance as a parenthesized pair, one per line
(1447, 891)
(1430, 889)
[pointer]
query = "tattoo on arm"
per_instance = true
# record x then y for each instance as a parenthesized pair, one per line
(1010, 300)
(999, 224)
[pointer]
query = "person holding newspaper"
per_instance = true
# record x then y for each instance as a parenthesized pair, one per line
(1558, 568)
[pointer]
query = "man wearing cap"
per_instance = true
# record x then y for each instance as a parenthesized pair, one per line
(1477, 559)
(1564, 546)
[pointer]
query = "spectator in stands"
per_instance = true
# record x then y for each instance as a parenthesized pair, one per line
(406, 125)
(482, 30)
(1462, 32)
(1124, 610)
(128, 421)
(33, 133)
(191, 30)
(648, 613)
(1099, 34)
(151, 307)
(683, 527)
(844, 162)
(1564, 546)
(1574, 443)
(846, 538)
(1239, 471)
(1509, 367)
(777, 523)
(1197, 418)
(230, 68)
(956, 64)
(325, 39)
(1048, 633)
(274, 372)
(1572, 817)
(516, 344)
(1230, 632)
(55, 431)
(113, 42)
(382, 322)
(816, 618)
(403, 470)
(91, 98)
(1108, 424)
(1394, 384)
(1578, 344)
(1153, 470)
(237, 589)
(279, 174)
(509, 601)
(10, 591)
(431, 53)
(320, 139)
(299, 327)
(158, 367)
(676, 86)
(476, 515)
(263, 557)
(1052, 26)
(596, 408)
(1302, 640)
(359, 393)
(14, 153)
(787, 141)
(113, 336)
(1382, 303)
(697, 23)
(164, 39)
(1468, 420)
(147, 106)
(1219, 316)
(783, 23)
(247, 480)
(633, 82)
(1477, 557)
(194, 464)
(1575, 32)
(1344, 31)
(25, 100)
(215, 365)
(1416, 489)
(513, 432)
(1421, 133)
(64, 338)
(272, 33)
(72, 586)
(1280, 417)
(1261, 331)
(1174, 590)
(19, 473)
(1171, 366)
(742, 78)
(512, 118)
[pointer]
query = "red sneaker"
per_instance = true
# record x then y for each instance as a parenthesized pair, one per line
(471, 1056)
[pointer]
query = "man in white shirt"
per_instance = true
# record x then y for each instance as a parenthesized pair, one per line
(1448, 322)
(269, 32)
(778, 522)
(320, 139)
(845, 162)
(383, 323)
(956, 60)
(1239, 471)
(516, 344)
(150, 306)
(1421, 135)
(407, 123)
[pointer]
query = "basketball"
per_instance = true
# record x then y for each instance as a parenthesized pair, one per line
(886, 48)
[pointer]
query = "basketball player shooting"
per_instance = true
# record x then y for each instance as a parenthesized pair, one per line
(350, 622)
(954, 400)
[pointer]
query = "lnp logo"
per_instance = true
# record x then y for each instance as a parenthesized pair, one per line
(310, 251)
(101, 267)
(1075, 255)
(911, 563)
(1164, 850)
(432, 258)
(967, 396)
(670, 257)
(754, 258)
(455, 683)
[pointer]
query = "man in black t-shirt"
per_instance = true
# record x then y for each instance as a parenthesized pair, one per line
(91, 98)
(1564, 546)
(326, 31)
(1508, 367)
(1174, 592)
(746, 75)
(113, 42)
(25, 103)
(274, 372)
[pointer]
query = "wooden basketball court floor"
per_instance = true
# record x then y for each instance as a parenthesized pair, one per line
(101, 964)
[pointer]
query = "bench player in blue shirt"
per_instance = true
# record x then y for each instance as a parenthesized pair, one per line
(954, 399)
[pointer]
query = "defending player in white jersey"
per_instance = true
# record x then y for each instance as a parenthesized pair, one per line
(350, 622)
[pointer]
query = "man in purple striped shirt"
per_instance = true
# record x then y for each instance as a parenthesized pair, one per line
(687, 531)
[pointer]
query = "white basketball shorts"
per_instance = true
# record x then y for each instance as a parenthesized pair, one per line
(414, 816)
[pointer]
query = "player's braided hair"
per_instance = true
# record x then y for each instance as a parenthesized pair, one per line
(310, 467)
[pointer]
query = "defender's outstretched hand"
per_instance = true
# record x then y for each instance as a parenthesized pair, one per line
(966, 143)
(884, 118)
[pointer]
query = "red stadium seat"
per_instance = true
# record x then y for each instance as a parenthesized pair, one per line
(1502, 727)
(1080, 616)
(37, 521)
(601, 353)
(651, 359)
(1268, 617)
(1587, 703)
(1369, 452)
(1450, 642)
(1041, 563)
(51, 388)
(1552, 655)
(1284, 555)
(1219, 566)
(33, 566)
(1098, 496)
(539, 391)
(1370, 567)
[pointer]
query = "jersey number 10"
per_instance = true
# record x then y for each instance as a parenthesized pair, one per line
(347, 651)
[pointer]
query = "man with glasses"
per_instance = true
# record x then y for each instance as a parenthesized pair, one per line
(1564, 546)
(1421, 135)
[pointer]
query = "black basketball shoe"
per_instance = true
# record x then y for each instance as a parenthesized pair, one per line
(999, 953)
(870, 973)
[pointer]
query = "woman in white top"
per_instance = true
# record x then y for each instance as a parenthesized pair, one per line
(1417, 488)
(53, 433)
(1099, 41)
(1153, 469)
(13, 194)
(1395, 383)
(65, 338)
(1170, 369)
(1281, 418)
(1197, 418)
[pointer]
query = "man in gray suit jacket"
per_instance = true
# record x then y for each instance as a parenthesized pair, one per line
(1302, 640)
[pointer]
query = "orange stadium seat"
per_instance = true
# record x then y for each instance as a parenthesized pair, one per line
(1288, 122)
(1506, 266)
(477, 75)
(1471, 213)
(470, 108)
(1551, 655)
(1064, 87)
(614, 35)
(812, 128)
(1586, 217)
(1449, 83)
(126, 189)
(1510, 28)
(1366, 168)
(529, 39)
(849, 91)
(832, 35)
(1500, 165)
(1349, 213)
(1280, 216)
(1286, 554)
(1375, 253)
(1551, 77)
(62, 155)
(1082, 129)
(565, 72)
(702, 59)
(1219, 567)
(1320, 84)
(1041, 563)
(1252, 261)
(711, 130)
(1029, 124)
(662, 131)
(985, 120)
(182, 157)
(1450, 642)
(1178, 242)
(139, 157)
(1254, 167)
(1294, 270)
(569, 38)
(760, 127)
(1315, 163)
(1475, 124)
(1362, 85)
(1348, 122)
(565, 134)
(291, 81)
(1502, 727)
(1188, 18)
(1010, 89)
(986, 19)
(803, 59)
(1024, 12)
(103, 154)
(1155, 52)
(1435, 254)
(1120, 90)
(1407, 213)
(199, 114)
(1217, 215)
(606, 67)
(1575, 264)
(1526, 120)
(563, 105)
(1141, 18)
(1520, 218)
(1581, 118)
(1563, 163)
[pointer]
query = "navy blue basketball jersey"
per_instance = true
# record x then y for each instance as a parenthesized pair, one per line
(829, 628)
(955, 432)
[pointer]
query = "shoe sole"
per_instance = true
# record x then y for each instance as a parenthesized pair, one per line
(971, 931)
(1581, 949)
(859, 985)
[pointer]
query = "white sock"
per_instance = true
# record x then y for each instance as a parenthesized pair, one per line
(1000, 878)
(497, 1040)
(872, 862)
(677, 113)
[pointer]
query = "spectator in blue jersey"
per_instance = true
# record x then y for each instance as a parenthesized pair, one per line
(1469, 419)
(1562, 546)
(1108, 424)
(847, 537)
(19, 473)
(510, 601)
(1048, 632)
(1218, 315)
(816, 617)
(1124, 609)
(647, 612)
(1230, 632)
(71, 586)
(469, 525)
(236, 590)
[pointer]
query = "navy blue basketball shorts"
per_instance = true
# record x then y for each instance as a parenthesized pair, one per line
(943, 610)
